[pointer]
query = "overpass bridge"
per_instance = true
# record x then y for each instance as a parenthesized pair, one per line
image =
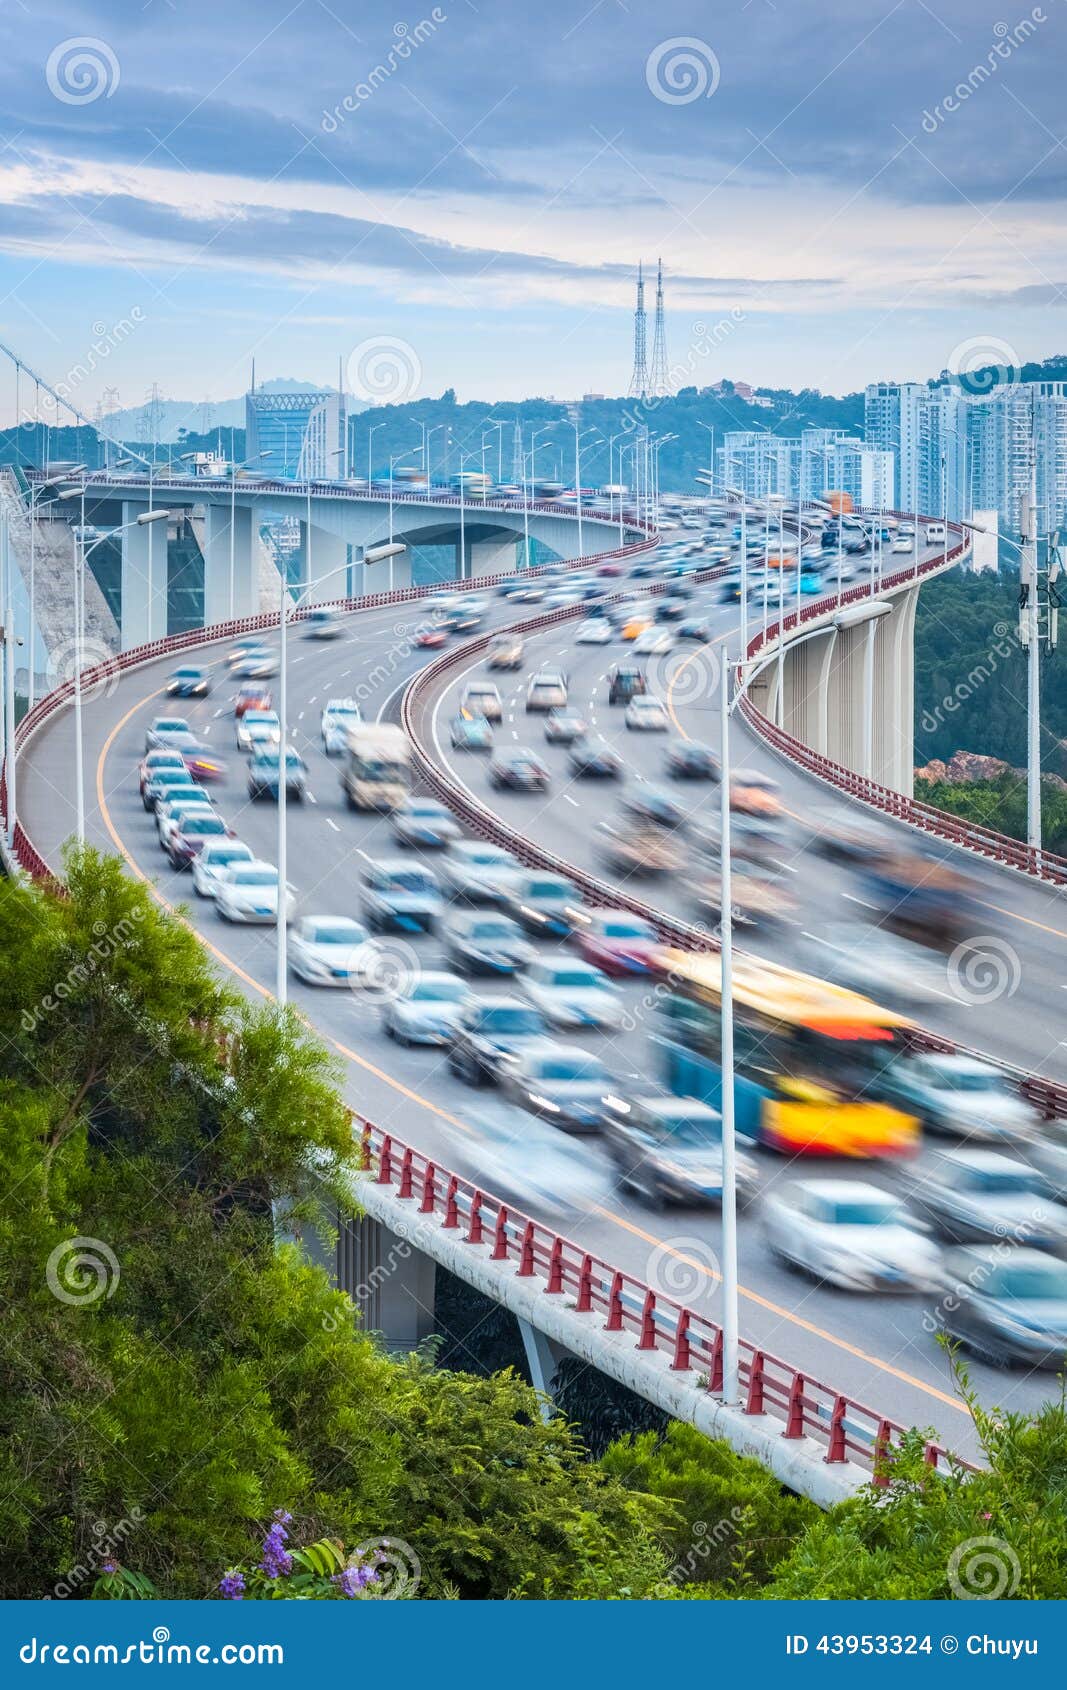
(629, 1293)
(337, 524)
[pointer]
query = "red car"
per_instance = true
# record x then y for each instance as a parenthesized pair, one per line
(430, 638)
(254, 696)
(610, 569)
(620, 943)
(204, 766)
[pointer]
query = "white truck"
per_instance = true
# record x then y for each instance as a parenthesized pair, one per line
(377, 767)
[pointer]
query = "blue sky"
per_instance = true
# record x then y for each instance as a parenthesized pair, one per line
(855, 190)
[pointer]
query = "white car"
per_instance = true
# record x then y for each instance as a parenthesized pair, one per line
(338, 716)
(257, 729)
(248, 892)
(879, 964)
(426, 822)
(215, 860)
(177, 810)
(905, 546)
(573, 994)
(850, 1234)
(597, 631)
(653, 641)
(647, 715)
(334, 950)
(477, 872)
(427, 1011)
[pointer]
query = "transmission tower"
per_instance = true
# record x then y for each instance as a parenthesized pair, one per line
(660, 379)
(639, 380)
(151, 417)
(207, 416)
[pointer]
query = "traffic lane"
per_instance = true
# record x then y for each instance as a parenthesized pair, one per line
(412, 1093)
(1011, 1011)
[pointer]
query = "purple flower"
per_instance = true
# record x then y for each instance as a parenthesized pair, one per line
(354, 1579)
(109, 1566)
(232, 1587)
(283, 1517)
(277, 1560)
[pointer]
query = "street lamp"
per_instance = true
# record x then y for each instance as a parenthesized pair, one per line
(499, 426)
(710, 427)
(38, 504)
(426, 435)
(81, 558)
(371, 432)
(578, 438)
(235, 470)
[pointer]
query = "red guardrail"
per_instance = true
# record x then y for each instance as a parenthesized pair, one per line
(845, 1428)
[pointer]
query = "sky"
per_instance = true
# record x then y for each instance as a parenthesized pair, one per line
(458, 195)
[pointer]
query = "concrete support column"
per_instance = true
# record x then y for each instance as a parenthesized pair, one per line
(226, 598)
(494, 557)
(329, 565)
(144, 578)
(390, 1282)
(899, 766)
(542, 1357)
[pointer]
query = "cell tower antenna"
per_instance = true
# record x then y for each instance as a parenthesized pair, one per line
(639, 379)
(660, 379)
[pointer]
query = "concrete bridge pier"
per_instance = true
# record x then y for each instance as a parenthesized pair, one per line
(324, 562)
(494, 557)
(389, 1280)
(231, 571)
(144, 578)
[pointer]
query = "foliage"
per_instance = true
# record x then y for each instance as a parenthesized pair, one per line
(734, 1521)
(1001, 805)
(1001, 1532)
(604, 1409)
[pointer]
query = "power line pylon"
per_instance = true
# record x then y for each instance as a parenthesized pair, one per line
(639, 379)
(659, 382)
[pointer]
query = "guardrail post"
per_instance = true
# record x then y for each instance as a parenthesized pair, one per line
(881, 1456)
(715, 1381)
(405, 1189)
(585, 1286)
(794, 1426)
(931, 1454)
(364, 1147)
(475, 1230)
(647, 1340)
(429, 1190)
(836, 1451)
(614, 1320)
(555, 1268)
(451, 1207)
(682, 1362)
(526, 1252)
(754, 1400)
(500, 1236)
(385, 1162)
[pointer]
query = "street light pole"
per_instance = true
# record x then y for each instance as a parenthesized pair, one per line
(371, 432)
(726, 1022)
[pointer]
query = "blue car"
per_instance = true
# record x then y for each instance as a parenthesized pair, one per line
(470, 733)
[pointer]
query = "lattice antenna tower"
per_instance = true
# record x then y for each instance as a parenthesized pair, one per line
(639, 379)
(659, 381)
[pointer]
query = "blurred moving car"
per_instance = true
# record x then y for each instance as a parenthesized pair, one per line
(699, 628)
(161, 784)
(597, 631)
(849, 1233)
(470, 733)
(979, 1196)
(400, 896)
(488, 1033)
(669, 1150)
(634, 848)
(543, 903)
(257, 729)
(527, 1163)
(248, 892)
(484, 942)
(563, 727)
(505, 651)
(334, 950)
(922, 897)
(573, 994)
(752, 793)
(155, 762)
(1048, 1152)
(188, 682)
(482, 698)
(626, 681)
(596, 759)
(758, 895)
(214, 860)
(478, 873)
(257, 664)
(562, 1083)
(647, 715)
(547, 690)
(653, 641)
(264, 774)
(619, 943)
(870, 959)
(191, 831)
(251, 696)
(168, 733)
(338, 715)
(323, 622)
(1006, 1306)
(427, 1011)
(518, 770)
(687, 760)
(652, 804)
(961, 1096)
(425, 822)
(431, 639)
